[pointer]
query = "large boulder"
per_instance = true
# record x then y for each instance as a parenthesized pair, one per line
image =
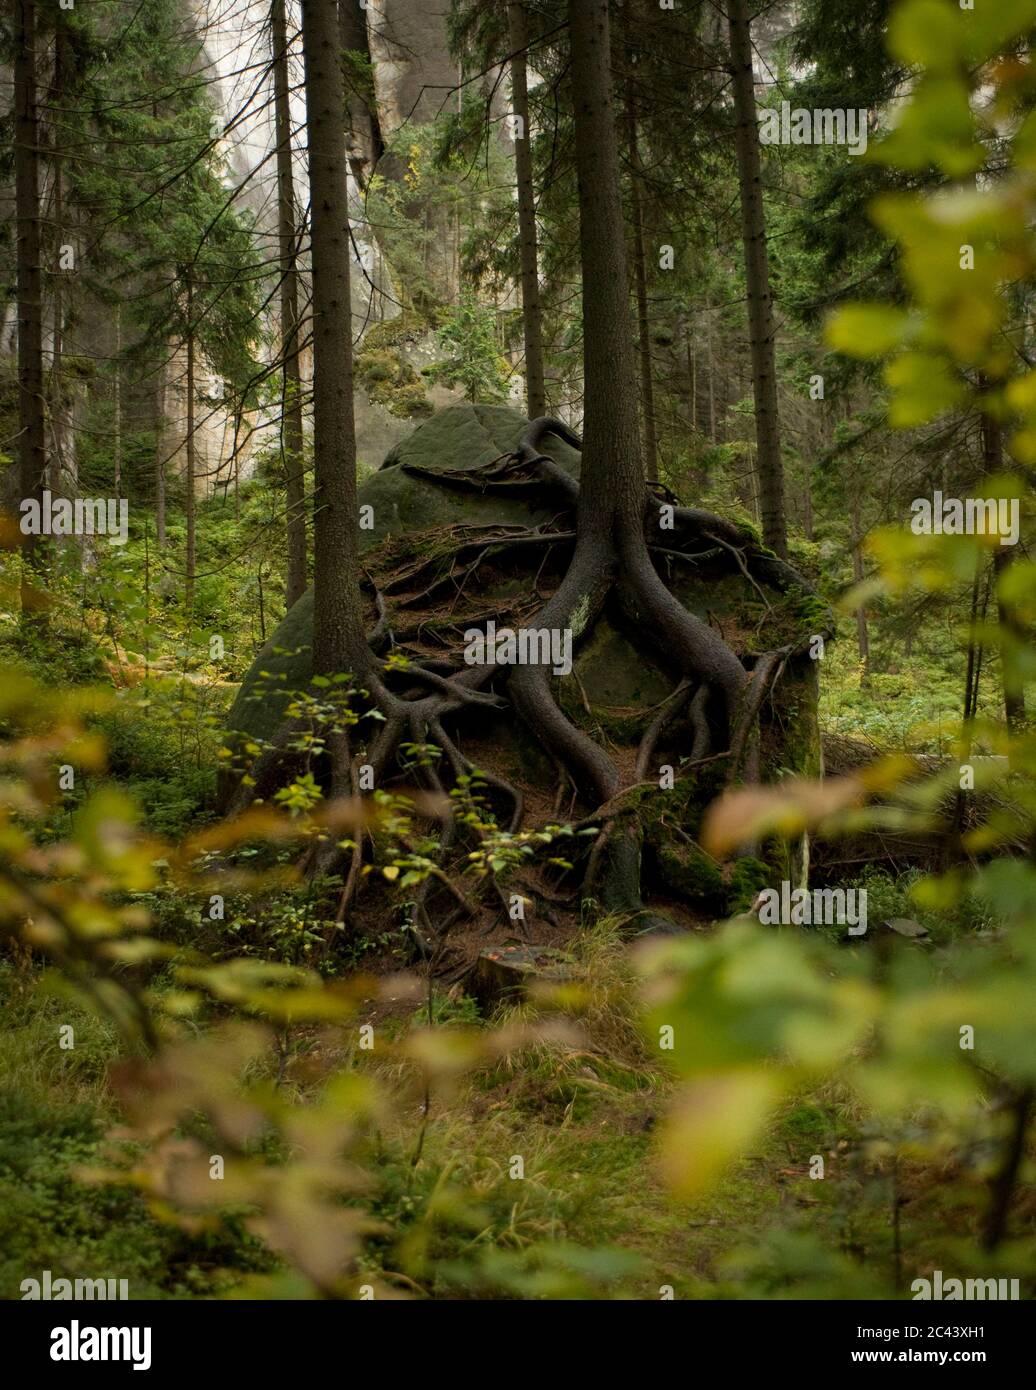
(617, 682)
(460, 437)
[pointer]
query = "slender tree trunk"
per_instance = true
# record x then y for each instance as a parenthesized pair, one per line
(291, 375)
(952, 849)
(647, 390)
(236, 464)
(1014, 689)
(57, 404)
(974, 657)
(160, 442)
(753, 482)
(31, 409)
(339, 642)
(757, 277)
(190, 508)
(532, 322)
(117, 449)
(826, 435)
(692, 373)
(863, 641)
(612, 482)
(147, 616)
(160, 435)
(1013, 638)
(712, 377)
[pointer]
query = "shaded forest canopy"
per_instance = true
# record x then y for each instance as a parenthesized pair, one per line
(532, 803)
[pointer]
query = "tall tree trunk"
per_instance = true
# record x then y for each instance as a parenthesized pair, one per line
(611, 501)
(952, 848)
(971, 677)
(190, 508)
(291, 374)
(57, 403)
(339, 642)
(1013, 638)
(712, 374)
(609, 518)
(757, 277)
(824, 442)
(863, 640)
(57, 388)
(160, 443)
(1014, 689)
(692, 373)
(31, 411)
(647, 390)
(610, 532)
(612, 481)
(532, 322)
(117, 445)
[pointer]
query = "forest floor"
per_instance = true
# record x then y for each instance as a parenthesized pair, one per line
(583, 1120)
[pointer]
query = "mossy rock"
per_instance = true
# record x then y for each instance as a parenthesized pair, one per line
(469, 437)
(622, 683)
(462, 436)
(618, 683)
(376, 364)
(408, 400)
(392, 382)
(686, 870)
(406, 327)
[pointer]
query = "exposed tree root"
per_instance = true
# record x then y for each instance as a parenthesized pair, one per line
(761, 680)
(716, 701)
(672, 707)
(461, 765)
(576, 605)
(702, 737)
